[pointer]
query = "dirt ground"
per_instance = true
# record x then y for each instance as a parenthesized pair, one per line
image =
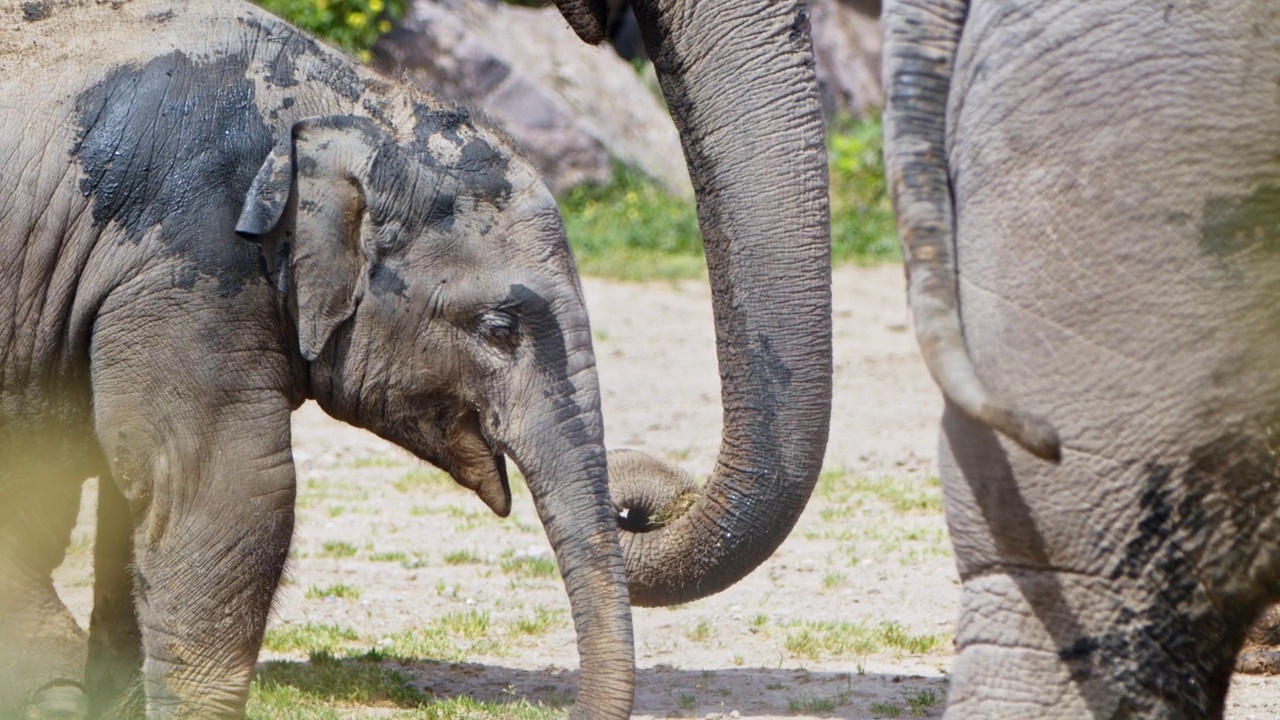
(410, 549)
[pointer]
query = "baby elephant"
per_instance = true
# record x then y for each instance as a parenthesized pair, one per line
(205, 219)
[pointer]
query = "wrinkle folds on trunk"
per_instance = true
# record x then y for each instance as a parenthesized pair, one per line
(560, 450)
(739, 80)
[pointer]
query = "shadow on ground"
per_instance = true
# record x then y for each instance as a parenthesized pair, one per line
(661, 691)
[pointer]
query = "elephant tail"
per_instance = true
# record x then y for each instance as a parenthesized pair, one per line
(921, 37)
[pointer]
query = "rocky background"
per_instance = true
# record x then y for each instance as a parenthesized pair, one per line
(579, 111)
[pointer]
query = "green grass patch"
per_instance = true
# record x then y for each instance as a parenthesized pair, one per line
(309, 638)
(816, 705)
(380, 461)
(389, 556)
(920, 701)
(818, 640)
(318, 688)
(630, 228)
(342, 591)
(327, 688)
(862, 224)
(701, 632)
(542, 621)
(462, 557)
(470, 624)
(337, 549)
(903, 495)
(453, 638)
(525, 566)
(886, 709)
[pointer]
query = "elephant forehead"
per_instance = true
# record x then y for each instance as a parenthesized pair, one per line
(153, 136)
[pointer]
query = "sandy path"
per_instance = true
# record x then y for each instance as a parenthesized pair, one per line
(853, 557)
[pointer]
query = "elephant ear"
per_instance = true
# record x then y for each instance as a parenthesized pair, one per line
(319, 173)
(588, 18)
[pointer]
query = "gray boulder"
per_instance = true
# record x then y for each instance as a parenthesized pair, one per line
(846, 41)
(573, 109)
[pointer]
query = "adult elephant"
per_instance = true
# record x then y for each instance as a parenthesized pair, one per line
(739, 80)
(1089, 200)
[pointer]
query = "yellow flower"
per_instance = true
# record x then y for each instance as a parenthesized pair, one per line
(375, 6)
(357, 20)
(384, 27)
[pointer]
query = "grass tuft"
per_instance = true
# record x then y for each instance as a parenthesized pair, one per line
(541, 566)
(307, 691)
(631, 229)
(337, 549)
(342, 591)
(309, 638)
(817, 640)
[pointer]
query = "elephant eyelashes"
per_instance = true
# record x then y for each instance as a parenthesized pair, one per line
(500, 327)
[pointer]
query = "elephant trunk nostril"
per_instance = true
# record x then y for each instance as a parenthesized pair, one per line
(639, 515)
(647, 493)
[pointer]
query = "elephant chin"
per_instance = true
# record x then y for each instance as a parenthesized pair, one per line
(474, 463)
(648, 494)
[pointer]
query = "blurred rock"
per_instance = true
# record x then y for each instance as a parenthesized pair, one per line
(572, 108)
(846, 41)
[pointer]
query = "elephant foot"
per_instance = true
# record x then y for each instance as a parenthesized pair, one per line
(1261, 652)
(58, 700)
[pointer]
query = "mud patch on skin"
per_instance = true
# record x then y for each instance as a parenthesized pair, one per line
(1201, 552)
(1232, 225)
(174, 144)
(322, 67)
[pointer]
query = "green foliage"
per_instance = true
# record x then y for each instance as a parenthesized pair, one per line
(352, 25)
(862, 225)
(632, 229)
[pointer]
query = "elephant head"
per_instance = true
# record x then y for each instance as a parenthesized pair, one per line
(739, 80)
(436, 300)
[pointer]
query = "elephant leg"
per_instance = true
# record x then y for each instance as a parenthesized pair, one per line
(113, 675)
(209, 484)
(213, 517)
(42, 648)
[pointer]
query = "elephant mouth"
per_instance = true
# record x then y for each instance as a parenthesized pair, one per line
(475, 463)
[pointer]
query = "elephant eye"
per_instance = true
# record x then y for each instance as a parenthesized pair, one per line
(500, 327)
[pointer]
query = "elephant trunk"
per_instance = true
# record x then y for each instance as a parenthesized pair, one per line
(921, 37)
(559, 446)
(740, 83)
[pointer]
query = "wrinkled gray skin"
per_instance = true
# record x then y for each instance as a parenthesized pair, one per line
(206, 218)
(1105, 176)
(738, 77)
